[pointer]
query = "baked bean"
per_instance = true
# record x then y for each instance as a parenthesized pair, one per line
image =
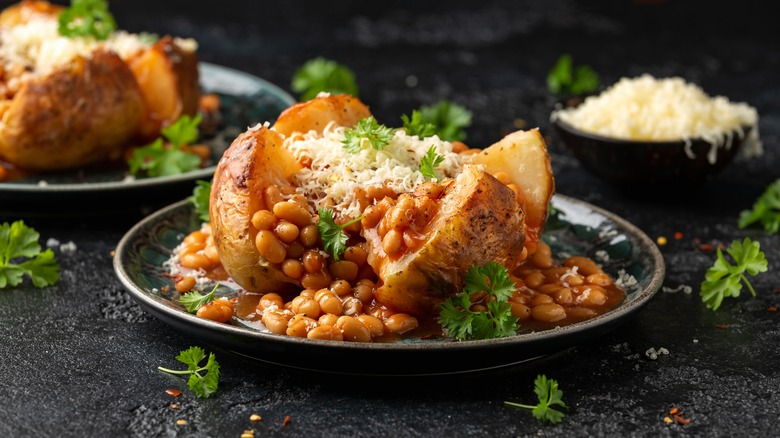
(362, 197)
(563, 296)
(412, 240)
(425, 209)
(459, 147)
(402, 214)
(195, 261)
(344, 269)
(353, 329)
(520, 298)
(309, 235)
(364, 291)
(300, 325)
(276, 320)
(263, 220)
(542, 257)
(270, 247)
(295, 250)
(195, 237)
(572, 279)
(592, 297)
(191, 248)
(392, 242)
(325, 333)
(352, 306)
(286, 232)
(313, 261)
(330, 303)
(478, 308)
(315, 281)
(211, 252)
(308, 293)
(272, 195)
(306, 306)
(548, 288)
(270, 301)
(300, 200)
(549, 312)
(292, 212)
(185, 283)
(220, 310)
(534, 279)
(327, 319)
(520, 311)
(371, 216)
(401, 323)
(585, 266)
(341, 287)
(540, 299)
(599, 279)
(580, 313)
(374, 325)
(292, 268)
(356, 254)
(429, 189)
(380, 312)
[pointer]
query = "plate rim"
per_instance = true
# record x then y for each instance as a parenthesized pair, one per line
(619, 313)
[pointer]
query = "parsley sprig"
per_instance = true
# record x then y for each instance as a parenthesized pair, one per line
(203, 379)
(87, 18)
(549, 396)
(429, 162)
(723, 279)
(161, 158)
(367, 133)
(17, 241)
(448, 119)
(766, 210)
(462, 323)
(200, 199)
(565, 79)
(415, 125)
(334, 241)
(192, 301)
(320, 74)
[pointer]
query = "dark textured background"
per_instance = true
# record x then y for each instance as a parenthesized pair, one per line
(80, 358)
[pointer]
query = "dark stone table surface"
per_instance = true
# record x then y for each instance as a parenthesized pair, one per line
(79, 358)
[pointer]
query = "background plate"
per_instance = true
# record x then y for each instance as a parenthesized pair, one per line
(577, 228)
(245, 100)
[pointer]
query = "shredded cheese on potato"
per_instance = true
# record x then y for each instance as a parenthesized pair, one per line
(670, 109)
(334, 173)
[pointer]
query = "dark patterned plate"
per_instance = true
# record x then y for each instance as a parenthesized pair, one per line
(577, 228)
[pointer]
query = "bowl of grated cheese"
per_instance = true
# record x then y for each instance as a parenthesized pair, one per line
(657, 132)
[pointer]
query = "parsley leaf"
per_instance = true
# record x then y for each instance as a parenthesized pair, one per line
(200, 199)
(320, 74)
(367, 132)
(565, 79)
(766, 210)
(164, 159)
(449, 118)
(497, 321)
(203, 385)
(723, 279)
(192, 301)
(414, 125)
(17, 240)
(429, 162)
(334, 241)
(86, 18)
(549, 396)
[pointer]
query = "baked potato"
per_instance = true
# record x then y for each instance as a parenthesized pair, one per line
(476, 217)
(69, 102)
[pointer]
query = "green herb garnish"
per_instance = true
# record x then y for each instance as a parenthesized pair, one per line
(429, 162)
(549, 396)
(334, 241)
(366, 133)
(320, 74)
(203, 384)
(766, 210)
(414, 125)
(164, 158)
(723, 279)
(565, 79)
(497, 321)
(17, 240)
(449, 120)
(87, 18)
(200, 199)
(192, 301)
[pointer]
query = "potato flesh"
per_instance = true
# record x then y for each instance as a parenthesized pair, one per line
(478, 220)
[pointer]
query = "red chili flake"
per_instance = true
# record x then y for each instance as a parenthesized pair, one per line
(286, 421)
(706, 247)
(164, 288)
(721, 326)
(673, 411)
(174, 406)
(772, 309)
(678, 235)
(173, 392)
(682, 420)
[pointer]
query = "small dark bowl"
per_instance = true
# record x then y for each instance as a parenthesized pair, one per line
(648, 164)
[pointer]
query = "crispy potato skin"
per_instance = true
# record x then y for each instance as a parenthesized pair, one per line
(21, 12)
(255, 160)
(478, 220)
(315, 114)
(80, 113)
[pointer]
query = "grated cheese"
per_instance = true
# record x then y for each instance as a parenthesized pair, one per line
(669, 109)
(334, 174)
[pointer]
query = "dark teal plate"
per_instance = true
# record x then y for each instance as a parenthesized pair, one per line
(576, 228)
(245, 100)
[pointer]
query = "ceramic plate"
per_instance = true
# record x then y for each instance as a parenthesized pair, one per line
(245, 100)
(577, 228)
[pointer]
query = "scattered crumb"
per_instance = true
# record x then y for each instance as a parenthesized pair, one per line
(248, 433)
(174, 406)
(173, 392)
(625, 280)
(128, 178)
(668, 420)
(602, 256)
(411, 81)
(695, 341)
(683, 287)
(661, 240)
(52, 243)
(255, 417)
(181, 422)
(653, 354)
(721, 326)
(286, 421)
(42, 183)
(68, 248)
